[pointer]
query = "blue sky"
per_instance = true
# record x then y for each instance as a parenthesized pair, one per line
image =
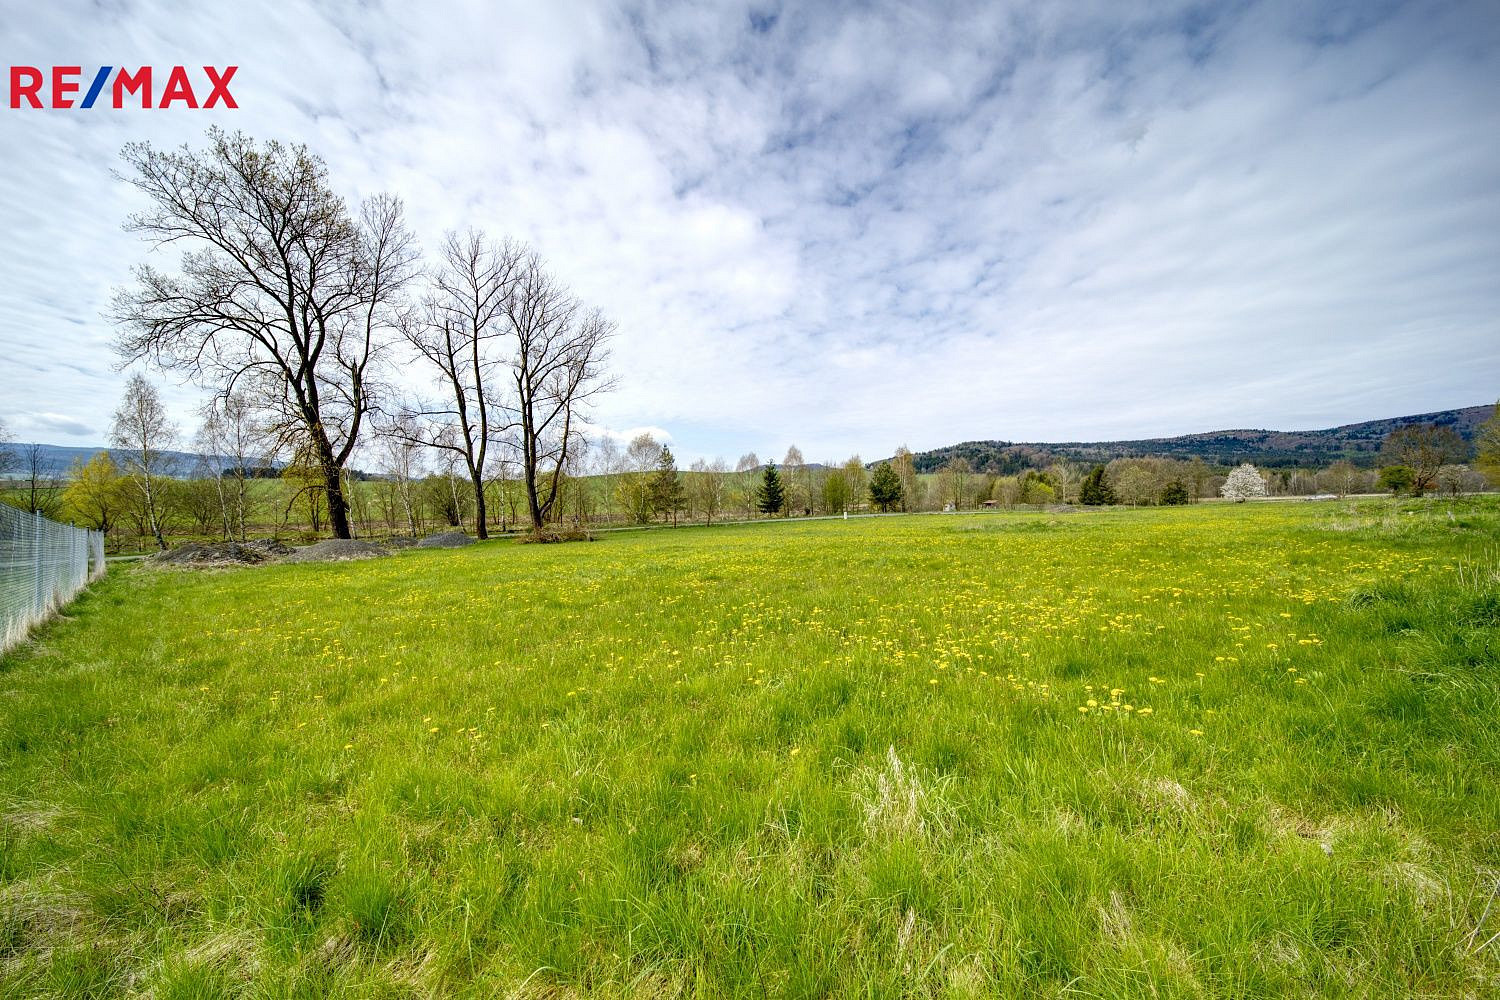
(852, 226)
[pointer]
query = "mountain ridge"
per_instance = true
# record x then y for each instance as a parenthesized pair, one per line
(1357, 442)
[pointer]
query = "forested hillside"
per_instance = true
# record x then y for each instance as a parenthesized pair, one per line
(1359, 443)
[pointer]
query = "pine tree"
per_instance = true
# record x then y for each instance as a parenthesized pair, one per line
(668, 495)
(771, 495)
(1095, 490)
(1175, 494)
(885, 487)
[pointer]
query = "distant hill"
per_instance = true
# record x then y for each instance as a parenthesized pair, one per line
(58, 459)
(1359, 443)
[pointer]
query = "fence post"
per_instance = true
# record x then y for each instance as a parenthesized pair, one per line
(36, 544)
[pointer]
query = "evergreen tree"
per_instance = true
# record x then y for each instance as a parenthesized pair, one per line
(1095, 490)
(1397, 478)
(771, 495)
(885, 487)
(1175, 494)
(668, 496)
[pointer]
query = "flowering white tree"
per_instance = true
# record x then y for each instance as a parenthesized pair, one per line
(1243, 483)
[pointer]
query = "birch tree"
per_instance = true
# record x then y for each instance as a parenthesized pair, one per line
(141, 432)
(229, 430)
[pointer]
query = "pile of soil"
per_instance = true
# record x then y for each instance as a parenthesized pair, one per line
(269, 547)
(446, 540)
(338, 550)
(216, 554)
(551, 533)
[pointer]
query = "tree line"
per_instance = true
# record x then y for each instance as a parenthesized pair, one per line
(136, 490)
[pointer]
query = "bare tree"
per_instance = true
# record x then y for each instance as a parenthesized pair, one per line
(1135, 484)
(229, 431)
(607, 464)
(400, 460)
(461, 331)
(1456, 480)
(794, 475)
(281, 293)
(39, 480)
(905, 466)
(1341, 478)
(557, 369)
(1065, 478)
(1487, 446)
(953, 482)
(141, 432)
(7, 454)
(1424, 448)
(708, 486)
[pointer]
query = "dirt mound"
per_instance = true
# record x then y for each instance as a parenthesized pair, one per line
(216, 554)
(269, 547)
(447, 540)
(337, 550)
(552, 533)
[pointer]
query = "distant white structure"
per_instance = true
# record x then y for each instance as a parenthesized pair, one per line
(1243, 484)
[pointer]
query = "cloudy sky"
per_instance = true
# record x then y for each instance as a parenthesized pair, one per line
(851, 226)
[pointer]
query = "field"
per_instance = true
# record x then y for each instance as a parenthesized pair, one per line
(1218, 751)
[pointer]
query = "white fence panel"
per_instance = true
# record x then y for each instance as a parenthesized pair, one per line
(43, 565)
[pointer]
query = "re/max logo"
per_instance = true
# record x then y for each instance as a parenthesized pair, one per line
(28, 83)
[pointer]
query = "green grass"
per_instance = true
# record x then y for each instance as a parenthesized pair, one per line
(821, 759)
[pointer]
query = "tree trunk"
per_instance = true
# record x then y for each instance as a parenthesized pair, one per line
(338, 507)
(151, 517)
(481, 519)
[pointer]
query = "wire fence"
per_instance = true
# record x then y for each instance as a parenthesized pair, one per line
(43, 565)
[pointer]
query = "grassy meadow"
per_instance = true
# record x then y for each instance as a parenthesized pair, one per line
(1217, 751)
